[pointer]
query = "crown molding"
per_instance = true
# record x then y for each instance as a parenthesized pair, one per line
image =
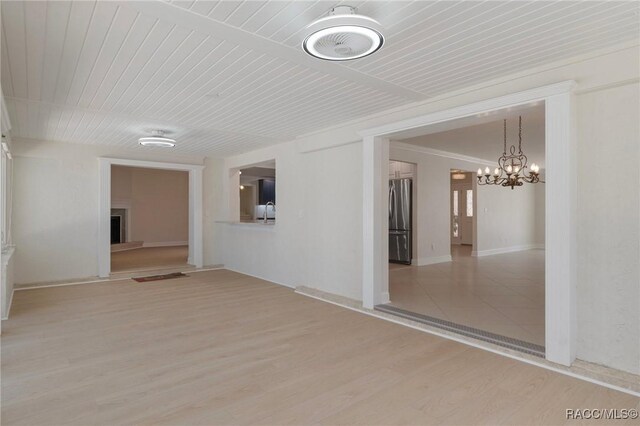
(439, 153)
(506, 101)
(632, 44)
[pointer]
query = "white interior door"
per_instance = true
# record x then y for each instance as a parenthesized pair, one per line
(462, 211)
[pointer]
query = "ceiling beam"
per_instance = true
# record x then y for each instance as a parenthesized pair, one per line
(221, 31)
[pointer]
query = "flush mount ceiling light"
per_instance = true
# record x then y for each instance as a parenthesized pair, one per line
(343, 35)
(157, 140)
(459, 176)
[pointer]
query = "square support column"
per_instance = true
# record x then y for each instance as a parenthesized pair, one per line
(560, 229)
(375, 243)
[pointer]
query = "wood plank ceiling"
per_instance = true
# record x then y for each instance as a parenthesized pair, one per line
(226, 77)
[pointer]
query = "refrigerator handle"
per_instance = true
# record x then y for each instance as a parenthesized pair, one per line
(391, 204)
(389, 201)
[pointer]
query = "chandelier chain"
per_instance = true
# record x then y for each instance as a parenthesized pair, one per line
(520, 135)
(505, 137)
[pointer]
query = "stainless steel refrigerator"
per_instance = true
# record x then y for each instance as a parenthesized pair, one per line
(400, 221)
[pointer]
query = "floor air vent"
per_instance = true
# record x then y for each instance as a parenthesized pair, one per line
(496, 339)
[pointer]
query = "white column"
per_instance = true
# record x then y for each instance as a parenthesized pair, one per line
(560, 234)
(375, 232)
(195, 218)
(104, 215)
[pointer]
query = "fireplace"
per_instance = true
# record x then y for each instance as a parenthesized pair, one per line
(118, 226)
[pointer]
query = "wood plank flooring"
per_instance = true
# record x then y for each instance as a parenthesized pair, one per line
(148, 258)
(223, 348)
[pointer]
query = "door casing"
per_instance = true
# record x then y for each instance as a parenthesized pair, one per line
(104, 213)
(560, 199)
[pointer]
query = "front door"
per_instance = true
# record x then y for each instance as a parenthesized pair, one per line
(462, 211)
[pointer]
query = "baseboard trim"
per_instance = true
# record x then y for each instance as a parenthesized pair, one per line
(503, 250)
(424, 261)
(131, 245)
(165, 244)
(96, 280)
(260, 278)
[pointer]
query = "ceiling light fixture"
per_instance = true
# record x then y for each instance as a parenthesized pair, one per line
(343, 35)
(458, 176)
(157, 140)
(511, 168)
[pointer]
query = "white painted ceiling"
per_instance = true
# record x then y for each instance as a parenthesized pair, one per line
(225, 77)
(483, 138)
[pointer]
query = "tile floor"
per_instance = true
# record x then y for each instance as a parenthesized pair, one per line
(503, 294)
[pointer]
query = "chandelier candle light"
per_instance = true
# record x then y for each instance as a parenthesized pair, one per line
(511, 170)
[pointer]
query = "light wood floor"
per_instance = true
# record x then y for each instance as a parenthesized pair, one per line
(223, 348)
(503, 293)
(149, 258)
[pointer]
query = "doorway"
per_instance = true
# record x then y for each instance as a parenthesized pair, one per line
(172, 242)
(462, 207)
(560, 147)
(153, 231)
(491, 280)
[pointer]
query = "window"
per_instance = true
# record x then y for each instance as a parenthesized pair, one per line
(454, 225)
(469, 203)
(455, 203)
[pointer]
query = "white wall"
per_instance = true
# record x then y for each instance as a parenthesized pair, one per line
(55, 226)
(608, 227)
(159, 201)
(507, 219)
(121, 184)
(317, 238)
(214, 208)
(333, 205)
(540, 208)
(269, 251)
(299, 250)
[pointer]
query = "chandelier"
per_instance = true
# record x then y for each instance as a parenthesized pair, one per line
(511, 170)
